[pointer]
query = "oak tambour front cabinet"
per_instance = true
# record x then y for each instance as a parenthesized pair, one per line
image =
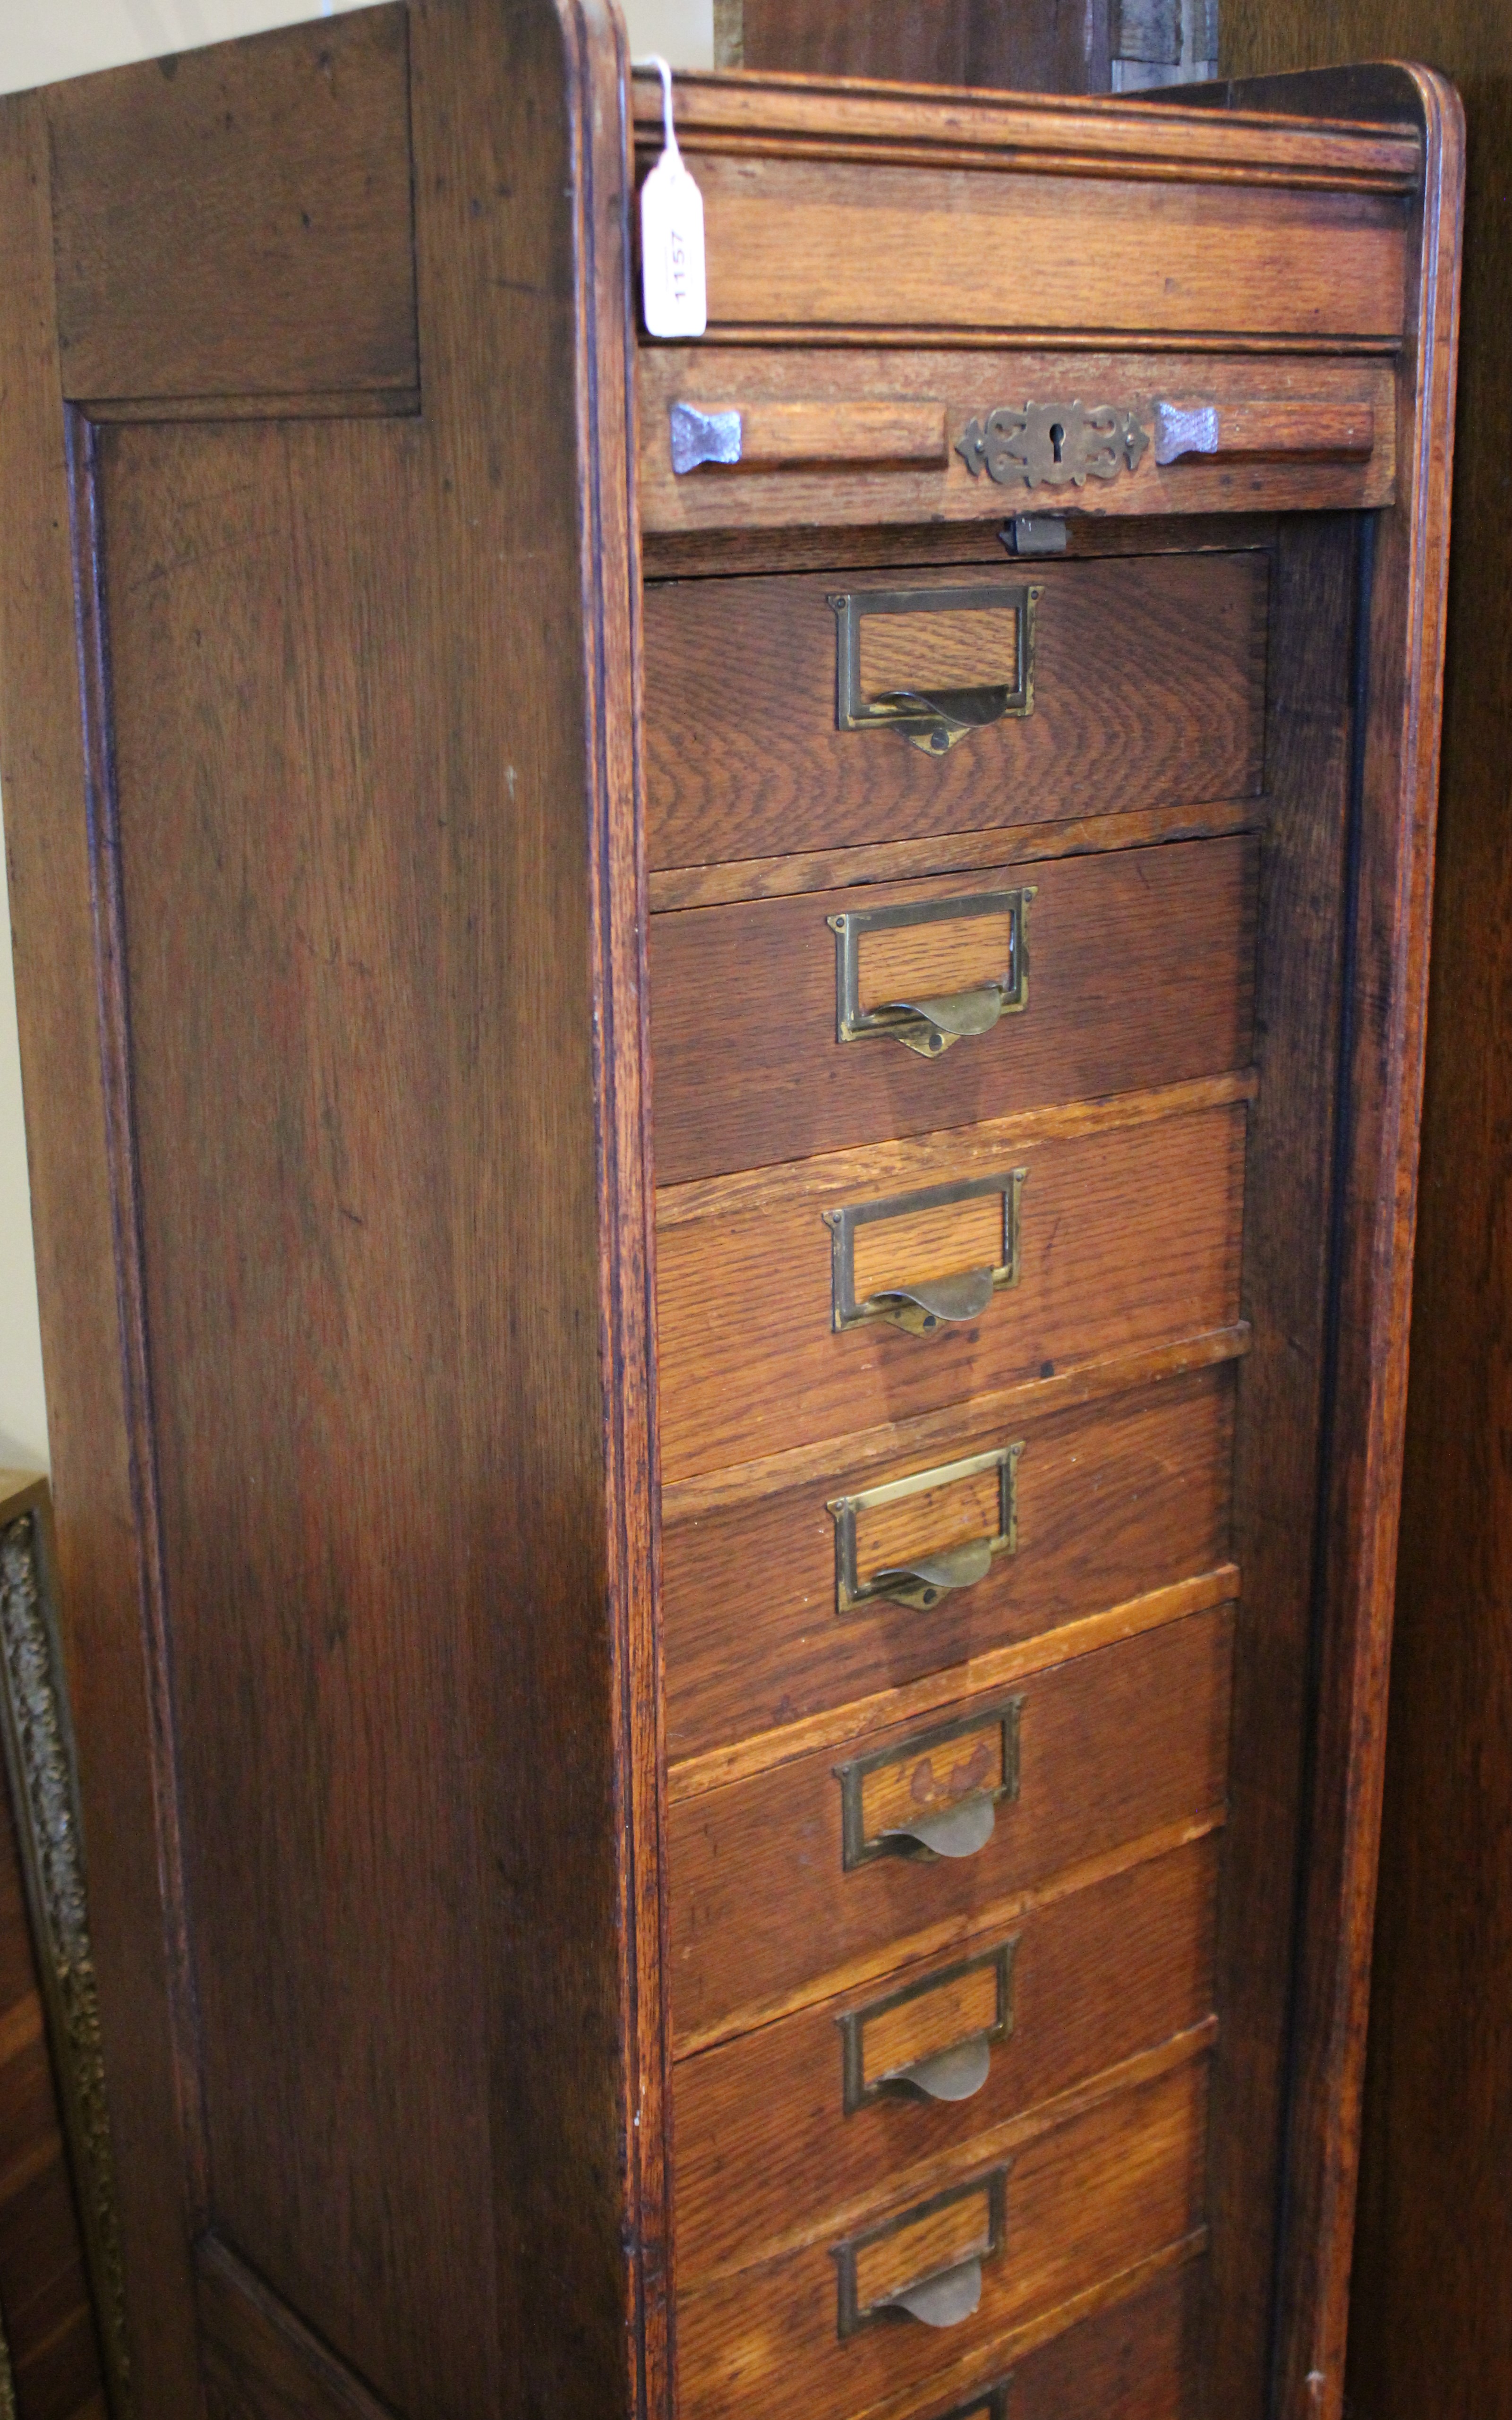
(722, 1041)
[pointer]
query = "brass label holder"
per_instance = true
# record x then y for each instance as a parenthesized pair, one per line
(950, 1827)
(933, 719)
(922, 1309)
(932, 1026)
(921, 2080)
(943, 2299)
(921, 1582)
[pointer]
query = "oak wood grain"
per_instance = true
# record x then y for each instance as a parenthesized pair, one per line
(1139, 974)
(1128, 1496)
(837, 385)
(929, 250)
(760, 1902)
(1127, 1236)
(261, 2362)
(1136, 2360)
(729, 553)
(1289, 1180)
(778, 877)
(1434, 2236)
(744, 758)
(995, 1669)
(239, 219)
(764, 2144)
(286, 717)
(1084, 2203)
(64, 983)
(808, 116)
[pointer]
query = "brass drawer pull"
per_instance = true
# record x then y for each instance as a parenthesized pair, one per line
(937, 1795)
(931, 2041)
(920, 1579)
(920, 1305)
(930, 1025)
(934, 663)
(926, 2264)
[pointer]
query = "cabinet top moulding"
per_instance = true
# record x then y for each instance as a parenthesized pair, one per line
(835, 215)
(800, 117)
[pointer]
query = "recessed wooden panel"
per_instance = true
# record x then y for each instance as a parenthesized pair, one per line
(1127, 1237)
(1110, 1747)
(1085, 2203)
(238, 220)
(764, 2148)
(1149, 689)
(1127, 1495)
(1140, 973)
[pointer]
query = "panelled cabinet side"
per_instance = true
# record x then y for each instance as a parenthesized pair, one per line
(61, 980)
(459, 830)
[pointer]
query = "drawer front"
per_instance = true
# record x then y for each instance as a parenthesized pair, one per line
(783, 2132)
(958, 1000)
(857, 435)
(821, 2330)
(777, 1330)
(824, 1863)
(1107, 1502)
(1148, 681)
(835, 243)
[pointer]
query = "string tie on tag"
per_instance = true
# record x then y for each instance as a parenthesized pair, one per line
(673, 288)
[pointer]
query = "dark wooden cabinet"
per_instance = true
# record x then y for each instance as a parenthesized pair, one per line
(1432, 2319)
(724, 1143)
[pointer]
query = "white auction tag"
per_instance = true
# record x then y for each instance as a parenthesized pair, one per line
(673, 285)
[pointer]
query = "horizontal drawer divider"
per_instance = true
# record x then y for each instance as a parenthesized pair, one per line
(881, 336)
(902, 2186)
(936, 1938)
(838, 1726)
(775, 878)
(881, 1168)
(1074, 1383)
(894, 1167)
(958, 2381)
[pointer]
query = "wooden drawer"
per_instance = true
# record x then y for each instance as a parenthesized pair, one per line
(859, 435)
(783, 2133)
(1138, 2358)
(1073, 2211)
(1124, 1236)
(940, 218)
(1103, 974)
(786, 1883)
(763, 1626)
(1148, 687)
